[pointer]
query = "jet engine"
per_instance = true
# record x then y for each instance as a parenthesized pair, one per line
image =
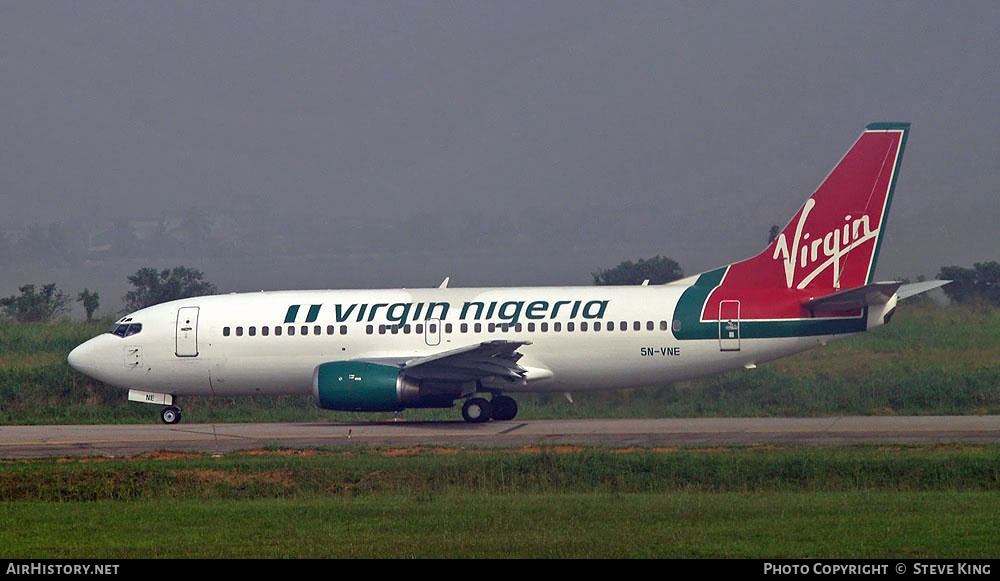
(364, 386)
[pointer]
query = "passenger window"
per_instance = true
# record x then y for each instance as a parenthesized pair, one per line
(330, 330)
(518, 327)
(464, 327)
(239, 331)
(225, 331)
(291, 330)
(265, 330)
(531, 327)
(369, 329)
(253, 331)
(305, 330)
(343, 329)
(277, 331)
(623, 326)
(663, 325)
(583, 326)
(649, 325)
(420, 329)
(407, 329)
(557, 327)
(570, 327)
(637, 326)
(597, 326)
(545, 327)
(479, 327)
(317, 330)
(447, 327)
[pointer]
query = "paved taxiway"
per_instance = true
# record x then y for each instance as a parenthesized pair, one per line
(127, 440)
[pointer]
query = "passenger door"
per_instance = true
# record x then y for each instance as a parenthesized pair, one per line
(187, 332)
(729, 326)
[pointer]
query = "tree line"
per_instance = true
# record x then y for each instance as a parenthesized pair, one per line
(979, 284)
(150, 287)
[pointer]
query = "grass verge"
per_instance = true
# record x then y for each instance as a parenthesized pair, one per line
(824, 525)
(872, 502)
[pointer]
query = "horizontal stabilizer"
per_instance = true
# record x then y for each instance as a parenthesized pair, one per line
(876, 293)
(909, 290)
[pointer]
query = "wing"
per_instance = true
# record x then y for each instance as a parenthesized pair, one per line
(470, 363)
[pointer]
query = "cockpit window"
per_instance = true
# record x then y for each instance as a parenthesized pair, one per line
(125, 329)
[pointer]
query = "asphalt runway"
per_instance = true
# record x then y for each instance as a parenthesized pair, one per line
(130, 440)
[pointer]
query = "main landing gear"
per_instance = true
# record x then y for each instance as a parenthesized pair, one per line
(170, 414)
(478, 410)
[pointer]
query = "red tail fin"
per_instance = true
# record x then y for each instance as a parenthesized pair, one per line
(832, 243)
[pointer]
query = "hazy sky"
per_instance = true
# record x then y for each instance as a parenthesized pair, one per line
(704, 123)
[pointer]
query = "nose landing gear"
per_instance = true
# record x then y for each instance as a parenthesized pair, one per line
(170, 415)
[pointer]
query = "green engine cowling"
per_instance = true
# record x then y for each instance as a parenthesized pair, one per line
(360, 386)
(369, 387)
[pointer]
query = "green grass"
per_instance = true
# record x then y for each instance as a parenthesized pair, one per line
(424, 473)
(682, 525)
(901, 502)
(928, 361)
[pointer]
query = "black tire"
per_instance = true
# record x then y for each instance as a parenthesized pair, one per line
(504, 408)
(477, 410)
(170, 415)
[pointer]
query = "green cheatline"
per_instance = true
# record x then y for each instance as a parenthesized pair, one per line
(688, 312)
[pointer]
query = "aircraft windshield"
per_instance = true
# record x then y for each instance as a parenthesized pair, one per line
(125, 329)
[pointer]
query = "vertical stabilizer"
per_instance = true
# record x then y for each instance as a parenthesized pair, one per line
(832, 242)
(830, 245)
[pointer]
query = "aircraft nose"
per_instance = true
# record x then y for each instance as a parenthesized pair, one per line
(83, 358)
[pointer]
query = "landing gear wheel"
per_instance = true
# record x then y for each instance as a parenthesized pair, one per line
(170, 415)
(477, 410)
(504, 408)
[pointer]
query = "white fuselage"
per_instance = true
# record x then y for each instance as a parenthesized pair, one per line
(217, 345)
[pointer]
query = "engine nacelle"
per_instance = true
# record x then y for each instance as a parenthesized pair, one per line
(370, 387)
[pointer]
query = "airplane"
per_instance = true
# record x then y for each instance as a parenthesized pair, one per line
(392, 349)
